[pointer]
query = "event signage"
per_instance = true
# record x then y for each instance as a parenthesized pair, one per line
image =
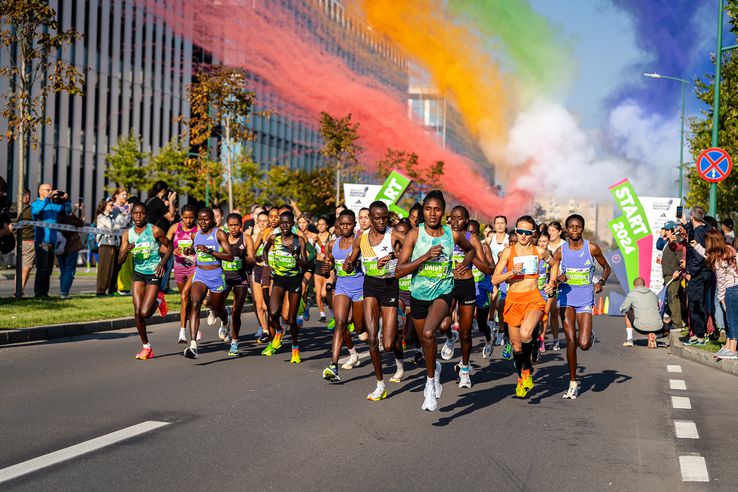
(392, 190)
(659, 211)
(632, 232)
(357, 196)
(714, 165)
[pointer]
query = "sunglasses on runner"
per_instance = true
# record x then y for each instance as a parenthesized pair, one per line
(524, 232)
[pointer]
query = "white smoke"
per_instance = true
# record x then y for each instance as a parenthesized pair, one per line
(556, 155)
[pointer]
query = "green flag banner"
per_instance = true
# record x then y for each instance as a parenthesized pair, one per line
(633, 211)
(392, 189)
(628, 247)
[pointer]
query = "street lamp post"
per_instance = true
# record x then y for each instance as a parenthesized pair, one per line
(681, 138)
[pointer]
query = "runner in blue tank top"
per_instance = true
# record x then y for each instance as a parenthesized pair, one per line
(465, 296)
(144, 242)
(211, 249)
(576, 293)
(348, 294)
(427, 254)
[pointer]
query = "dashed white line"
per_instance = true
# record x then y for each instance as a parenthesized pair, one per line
(677, 384)
(673, 368)
(86, 447)
(694, 469)
(686, 429)
(681, 402)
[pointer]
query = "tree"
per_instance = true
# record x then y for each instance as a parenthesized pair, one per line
(30, 35)
(249, 180)
(124, 164)
(340, 147)
(408, 163)
(220, 106)
(170, 165)
(283, 184)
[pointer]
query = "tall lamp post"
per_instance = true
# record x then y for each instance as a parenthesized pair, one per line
(681, 138)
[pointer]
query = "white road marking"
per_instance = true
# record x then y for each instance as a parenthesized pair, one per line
(681, 402)
(686, 429)
(673, 368)
(694, 469)
(677, 384)
(80, 449)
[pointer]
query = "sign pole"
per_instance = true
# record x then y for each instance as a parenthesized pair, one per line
(716, 101)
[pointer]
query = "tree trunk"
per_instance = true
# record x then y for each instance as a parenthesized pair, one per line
(228, 163)
(338, 184)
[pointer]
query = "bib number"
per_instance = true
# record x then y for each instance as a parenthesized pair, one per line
(578, 276)
(530, 264)
(203, 257)
(233, 266)
(142, 251)
(405, 283)
(434, 269)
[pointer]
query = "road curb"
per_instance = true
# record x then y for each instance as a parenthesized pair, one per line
(701, 356)
(40, 333)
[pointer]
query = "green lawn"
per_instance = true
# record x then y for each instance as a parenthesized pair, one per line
(30, 312)
(710, 346)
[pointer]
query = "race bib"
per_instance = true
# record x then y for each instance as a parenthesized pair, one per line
(405, 283)
(529, 262)
(436, 269)
(142, 251)
(283, 259)
(578, 276)
(233, 266)
(542, 281)
(477, 274)
(203, 257)
(339, 269)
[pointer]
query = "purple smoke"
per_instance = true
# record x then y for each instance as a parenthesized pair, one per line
(668, 31)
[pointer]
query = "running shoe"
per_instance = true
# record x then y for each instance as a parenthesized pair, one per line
(322, 318)
(330, 374)
(295, 356)
(351, 363)
(376, 395)
(556, 345)
(527, 381)
(300, 321)
(447, 351)
(233, 352)
(465, 378)
(145, 353)
(507, 351)
(499, 339)
(418, 358)
(211, 317)
(519, 390)
(222, 331)
(571, 393)
(398, 376)
(331, 324)
(268, 351)
(163, 308)
(306, 314)
(182, 336)
(536, 359)
(437, 378)
(259, 333)
(263, 339)
(364, 336)
(191, 353)
(430, 401)
(277, 341)
(541, 345)
(628, 343)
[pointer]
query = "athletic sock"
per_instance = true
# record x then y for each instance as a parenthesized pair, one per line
(398, 363)
(527, 351)
(193, 344)
(629, 333)
(430, 380)
(147, 345)
(353, 353)
(518, 358)
(295, 347)
(380, 385)
(322, 314)
(465, 368)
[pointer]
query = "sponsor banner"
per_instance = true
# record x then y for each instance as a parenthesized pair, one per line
(659, 210)
(632, 231)
(393, 188)
(358, 196)
(67, 227)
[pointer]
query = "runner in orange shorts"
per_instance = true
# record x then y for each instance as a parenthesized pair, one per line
(524, 306)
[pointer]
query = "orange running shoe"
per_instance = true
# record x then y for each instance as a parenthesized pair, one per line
(163, 309)
(145, 353)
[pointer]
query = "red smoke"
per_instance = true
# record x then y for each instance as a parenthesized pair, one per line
(268, 42)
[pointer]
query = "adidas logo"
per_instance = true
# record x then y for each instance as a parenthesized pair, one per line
(587, 263)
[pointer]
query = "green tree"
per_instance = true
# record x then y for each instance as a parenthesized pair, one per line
(284, 184)
(125, 169)
(170, 165)
(248, 180)
(407, 163)
(340, 147)
(31, 36)
(220, 106)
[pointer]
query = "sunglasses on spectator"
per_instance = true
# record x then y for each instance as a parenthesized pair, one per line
(524, 232)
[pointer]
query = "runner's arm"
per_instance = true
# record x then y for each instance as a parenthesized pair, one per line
(226, 254)
(265, 253)
(469, 252)
(328, 260)
(499, 276)
(249, 259)
(481, 260)
(551, 285)
(561, 277)
(125, 248)
(404, 265)
(302, 260)
(349, 264)
(164, 241)
(596, 253)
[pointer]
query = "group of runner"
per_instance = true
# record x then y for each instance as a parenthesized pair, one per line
(393, 283)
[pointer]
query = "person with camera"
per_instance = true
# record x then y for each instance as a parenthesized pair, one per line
(698, 275)
(47, 208)
(671, 270)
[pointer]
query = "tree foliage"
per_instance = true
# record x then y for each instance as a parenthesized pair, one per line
(248, 180)
(125, 164)
(340, 149)
(30, 34)
(424, 179)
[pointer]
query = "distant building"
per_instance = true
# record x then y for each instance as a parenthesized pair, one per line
(596, 214)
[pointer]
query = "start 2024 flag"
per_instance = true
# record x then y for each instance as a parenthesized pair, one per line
(632, 232)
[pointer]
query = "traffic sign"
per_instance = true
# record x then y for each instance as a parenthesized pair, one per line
(714, 165)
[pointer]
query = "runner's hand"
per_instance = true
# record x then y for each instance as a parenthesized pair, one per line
(562, 278)
(326, 268)
(598, 287)
(348, 267)
(550, 288)
(201, 248)
(159, 272)
(434, 252)
(517, 268)
(461, 269)
(676, 275)
(130, 247)
(383, 261)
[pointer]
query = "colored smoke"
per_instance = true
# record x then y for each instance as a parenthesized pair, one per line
(274, 45)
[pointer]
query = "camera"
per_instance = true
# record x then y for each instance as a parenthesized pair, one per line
(59, 197)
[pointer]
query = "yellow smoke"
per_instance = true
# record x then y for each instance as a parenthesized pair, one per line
(453, 55)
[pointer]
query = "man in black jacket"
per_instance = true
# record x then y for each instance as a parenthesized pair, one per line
(698, 276)
(671, 270)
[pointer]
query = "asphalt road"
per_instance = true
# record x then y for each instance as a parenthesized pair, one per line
(256, 423)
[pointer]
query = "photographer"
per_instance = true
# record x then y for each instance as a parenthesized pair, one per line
(698, 276)
(671, 271)
(46, 208)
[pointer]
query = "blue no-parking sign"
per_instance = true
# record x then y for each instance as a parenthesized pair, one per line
(714, 164)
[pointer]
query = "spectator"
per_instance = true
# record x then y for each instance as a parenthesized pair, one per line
(671, 271)
(108, 245)
(123, 273)
(46, 208)
(28, 249)
(727, 227)
(698, 276)
(721, 258)
(161, 206)
(68, 246)
(121, 205)
(7, 240)
(641, 308)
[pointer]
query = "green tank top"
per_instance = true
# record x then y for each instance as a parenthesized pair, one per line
(281, 257)
(146, 252)
(433, 278)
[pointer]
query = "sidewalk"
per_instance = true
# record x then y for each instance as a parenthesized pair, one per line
(33, 334)
(701, 356)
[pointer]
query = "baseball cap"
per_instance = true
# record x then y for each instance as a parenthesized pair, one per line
(670, 225)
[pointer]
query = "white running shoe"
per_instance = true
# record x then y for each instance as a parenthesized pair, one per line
(628, 343)
(351, 363)
(211, 317)
(430, 401)
(398, 376)
(223, 331)
(465, 379)
(572, 392)
(191, 353)
(499, 340)
(379, 393)
(447, 351)
(437, 378)
(488, 349)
